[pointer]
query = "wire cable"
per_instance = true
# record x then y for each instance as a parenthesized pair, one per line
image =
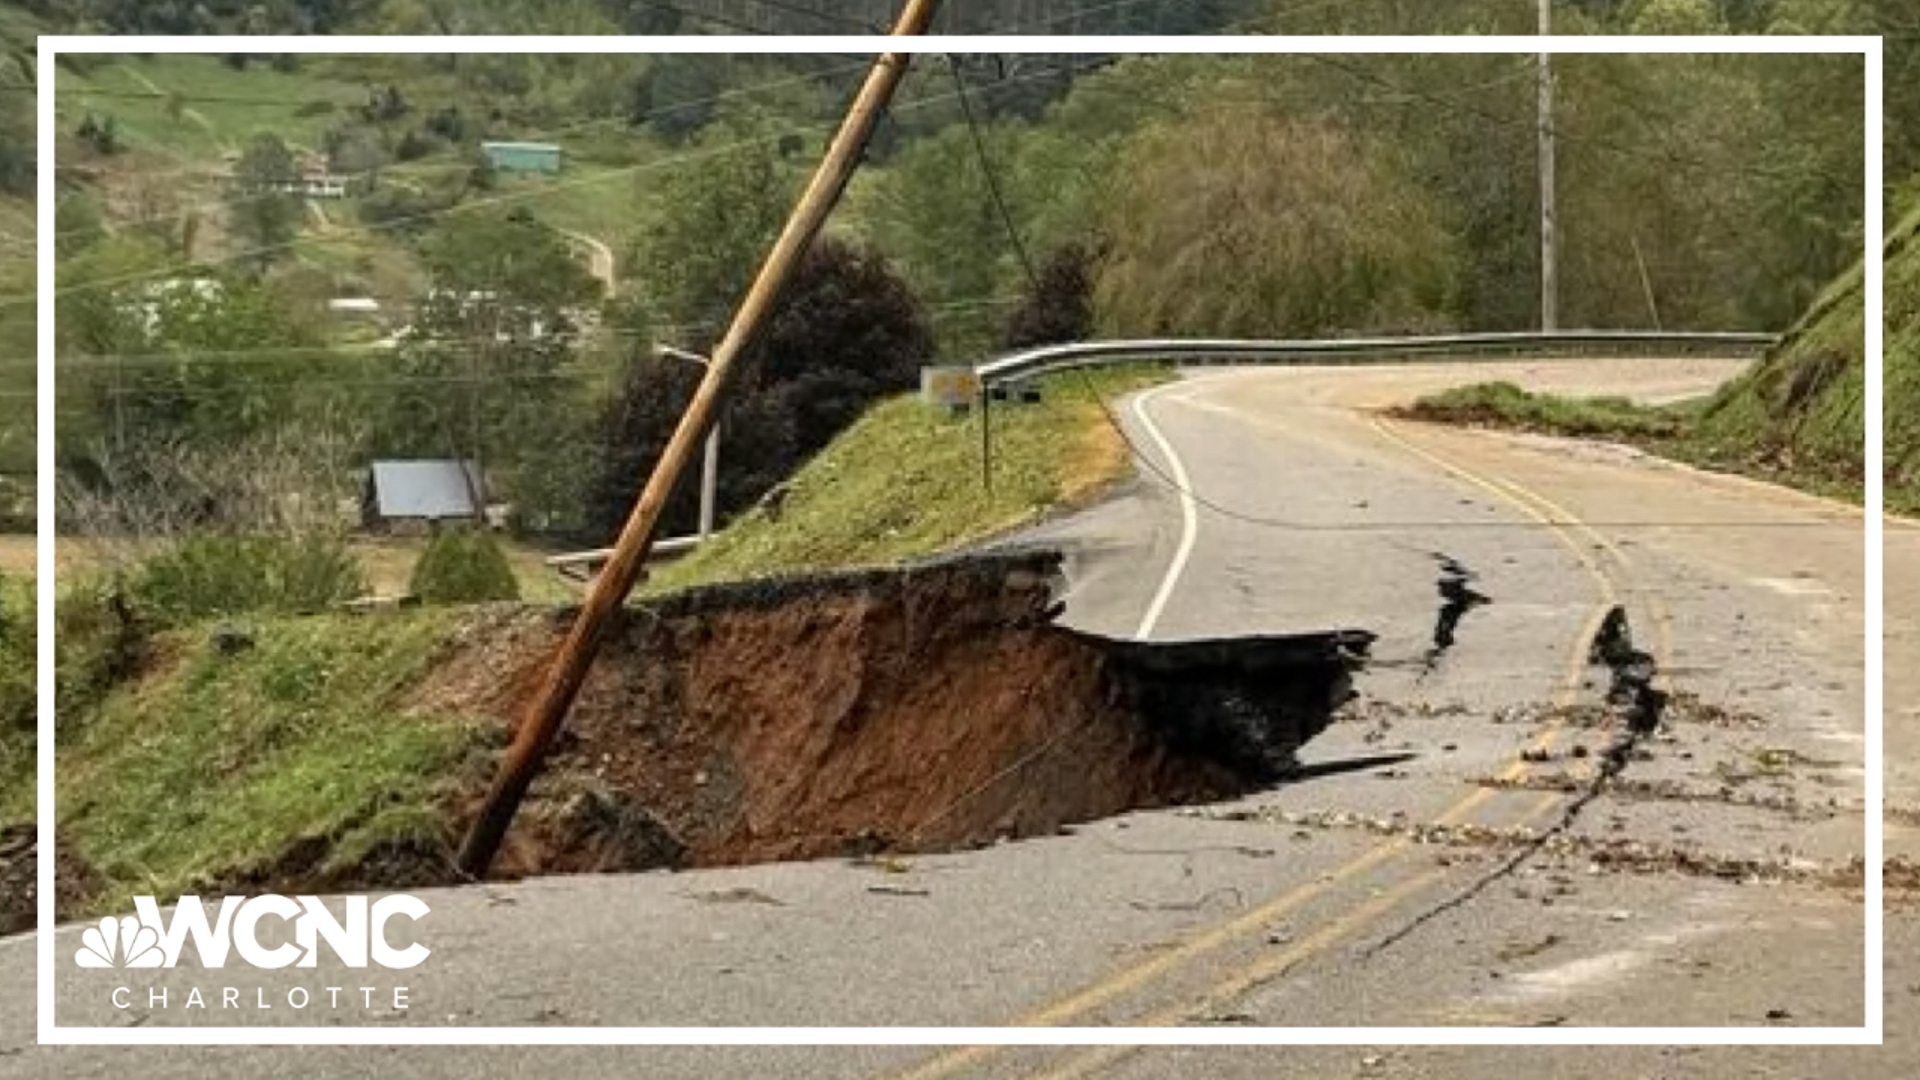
(1288, 524)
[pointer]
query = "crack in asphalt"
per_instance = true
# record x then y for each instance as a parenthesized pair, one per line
(1641, 704)
(1456, 599)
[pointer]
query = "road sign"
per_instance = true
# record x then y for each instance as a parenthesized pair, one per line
(955, 387)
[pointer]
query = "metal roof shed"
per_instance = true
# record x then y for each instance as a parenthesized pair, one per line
(522, 157)
(422, 491)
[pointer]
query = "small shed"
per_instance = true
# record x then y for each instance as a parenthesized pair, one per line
(421, 492)
(354, 307)
(522, 157)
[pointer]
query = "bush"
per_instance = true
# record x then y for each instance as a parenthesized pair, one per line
(848, 333)
(226, 574)
(1058, 307)
(16, 656)
(408, 208)
(414, 145)
(463, 566)
(98, 641)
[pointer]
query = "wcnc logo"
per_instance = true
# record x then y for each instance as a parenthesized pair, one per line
(148, 940)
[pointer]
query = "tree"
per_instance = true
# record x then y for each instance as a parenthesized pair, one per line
(1059, 306)
(932, 210)
(77, 224)
(485, 371)
(851, 331)
(175, 369)
(262, 211)
(679, 93)
(719, 217)
(1242, 222)
(848, 332)
(17, 144)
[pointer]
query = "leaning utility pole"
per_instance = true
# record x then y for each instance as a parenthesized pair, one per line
(548, 709)
(1549, 270)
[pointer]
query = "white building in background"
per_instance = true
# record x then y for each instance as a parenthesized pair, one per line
(354, 307)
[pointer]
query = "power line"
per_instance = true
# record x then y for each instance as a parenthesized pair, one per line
(505, 197)
(1460, 107)
(630, 119)
(362, 351)
(1283, 524)
(986, 171)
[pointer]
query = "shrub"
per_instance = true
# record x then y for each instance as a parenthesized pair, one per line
(414, 145)
(463, 566)
(227, 574)
(1058, 306)
(849, 332)
(98, 641)
(16, 656)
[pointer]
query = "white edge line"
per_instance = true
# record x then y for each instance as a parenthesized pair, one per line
(1189, 516)
(50, 46)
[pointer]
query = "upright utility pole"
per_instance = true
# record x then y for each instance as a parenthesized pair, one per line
(1549, 270)
(549, 707)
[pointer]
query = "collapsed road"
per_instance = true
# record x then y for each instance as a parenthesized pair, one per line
(892, 712)
(1713, 890)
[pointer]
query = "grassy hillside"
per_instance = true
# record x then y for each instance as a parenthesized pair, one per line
(17, 31)
(309, 733)
(904, 481)
(1902, 403)
(1798, 416)
(315, 730)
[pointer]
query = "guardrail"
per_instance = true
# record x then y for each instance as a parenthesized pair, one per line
(1520, 344)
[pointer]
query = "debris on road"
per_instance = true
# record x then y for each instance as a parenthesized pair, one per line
(1599, 855)
(738, 895)
(1665, 791)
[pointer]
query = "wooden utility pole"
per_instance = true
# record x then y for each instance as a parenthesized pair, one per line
(1549, 264)
(548, 709)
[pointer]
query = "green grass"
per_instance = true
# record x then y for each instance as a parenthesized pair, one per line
(1797, 417)
(1676, 431)
(904, 481)
(1901, 410)
(17, 701)
(1503, 404)
(218, 108)
(217, 764)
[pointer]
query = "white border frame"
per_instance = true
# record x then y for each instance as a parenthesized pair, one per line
(1869, 1034)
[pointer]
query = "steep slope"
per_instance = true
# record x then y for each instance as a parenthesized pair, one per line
(1800, 412)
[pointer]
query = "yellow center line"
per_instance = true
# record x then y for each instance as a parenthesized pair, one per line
(1121, 982)
(1558, 520)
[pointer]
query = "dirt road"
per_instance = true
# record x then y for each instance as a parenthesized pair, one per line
(600, 262)
(1404, 879)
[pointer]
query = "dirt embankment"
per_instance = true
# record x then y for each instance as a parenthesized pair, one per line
(73, 879)
(923, 709)
(911, 710)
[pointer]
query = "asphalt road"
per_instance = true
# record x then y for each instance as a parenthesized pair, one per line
(1709, 889)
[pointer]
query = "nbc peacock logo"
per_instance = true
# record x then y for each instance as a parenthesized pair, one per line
(356, 935)
(125, 942)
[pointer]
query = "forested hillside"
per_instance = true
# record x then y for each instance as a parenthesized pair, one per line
(1299, 195)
